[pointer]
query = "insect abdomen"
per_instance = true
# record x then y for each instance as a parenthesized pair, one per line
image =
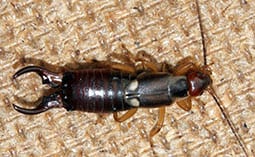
(95, 90)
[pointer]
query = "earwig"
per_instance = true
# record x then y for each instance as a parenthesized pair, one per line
(114, 89)
(110, 90)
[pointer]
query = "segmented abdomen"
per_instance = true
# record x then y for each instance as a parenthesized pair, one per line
(95, 90)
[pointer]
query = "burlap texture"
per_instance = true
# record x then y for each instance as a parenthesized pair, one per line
(72, 32)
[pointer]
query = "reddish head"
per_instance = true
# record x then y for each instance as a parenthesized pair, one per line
(198, 81)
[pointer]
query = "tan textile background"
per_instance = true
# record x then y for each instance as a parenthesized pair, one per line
(71, 32)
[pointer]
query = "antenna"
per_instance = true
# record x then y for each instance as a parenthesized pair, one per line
(212, 91)
(201, 32)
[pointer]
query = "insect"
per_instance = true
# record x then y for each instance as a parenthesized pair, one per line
(110, 90)
(113, 90)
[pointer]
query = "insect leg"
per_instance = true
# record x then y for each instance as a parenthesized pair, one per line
(126, 57)
(140, 62)
(158, 124)
(147, 62)
(125, 116)
(184, 65)
(123, 67)
(185, 104)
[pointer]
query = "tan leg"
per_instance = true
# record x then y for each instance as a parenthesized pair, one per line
(134, 68)
(127, 53)
(126, 57)
(127, 61)
(143, 55)
(148, 66)
(123, 67)
(125, 116)
(147, 62)
(185, 104)
(165, 67)
(184, 66)
(158, 124)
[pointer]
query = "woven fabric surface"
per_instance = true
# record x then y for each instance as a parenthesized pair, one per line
(63, 33)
